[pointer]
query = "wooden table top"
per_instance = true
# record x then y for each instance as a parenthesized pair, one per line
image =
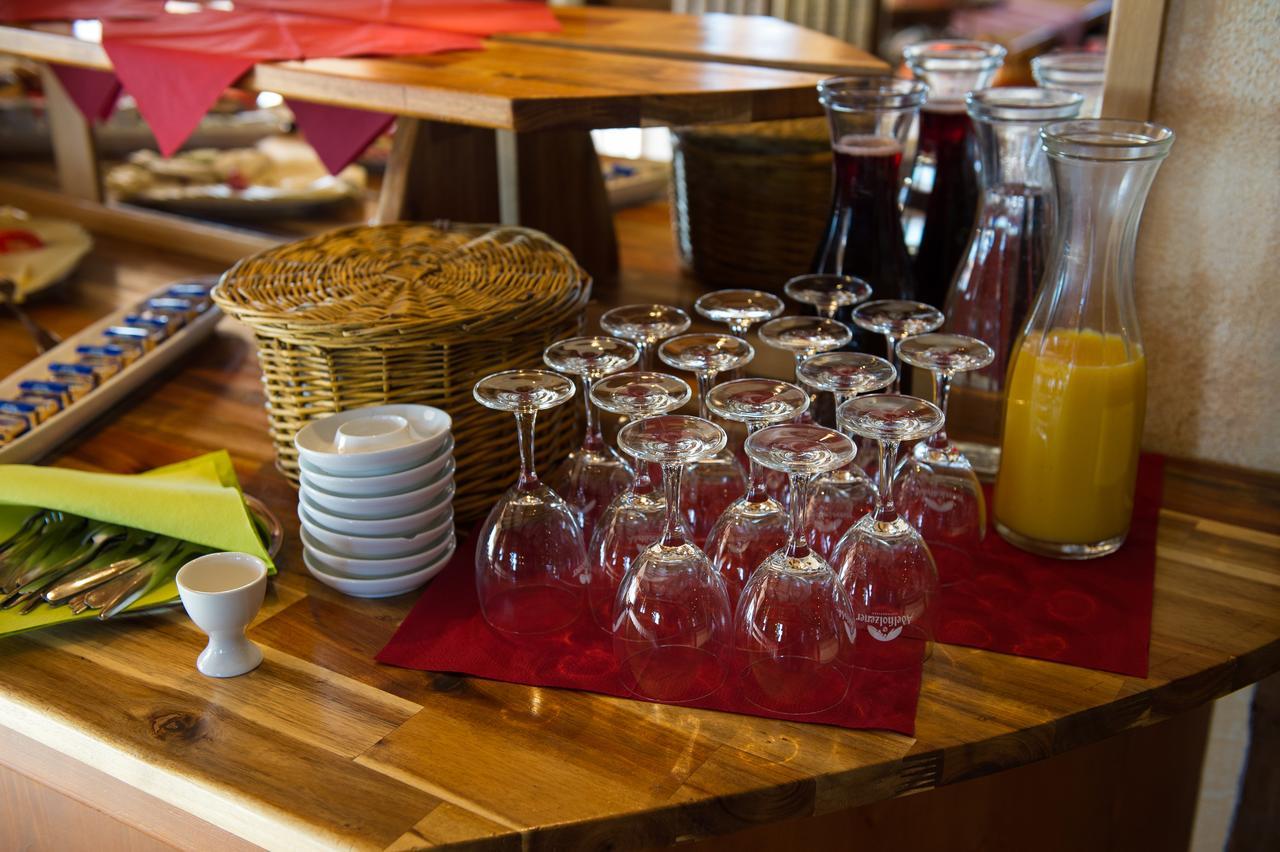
(609, 68)
(322, 747)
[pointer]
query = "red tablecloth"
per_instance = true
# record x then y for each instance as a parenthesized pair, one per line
(1093, 613)
(445, 632)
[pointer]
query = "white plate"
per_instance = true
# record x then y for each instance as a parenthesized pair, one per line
(355, 489)
(374, 547)
(371, 569)
(385, 587)
(405, 526)
(378, 508)
(378, 486)
(317, 442)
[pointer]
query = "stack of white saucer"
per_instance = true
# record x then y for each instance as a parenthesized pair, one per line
(376, 503)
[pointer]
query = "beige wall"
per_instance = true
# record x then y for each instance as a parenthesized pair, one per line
(1209, 248)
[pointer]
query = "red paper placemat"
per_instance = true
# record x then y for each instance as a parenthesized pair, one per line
(446, 633)
(1093, 613)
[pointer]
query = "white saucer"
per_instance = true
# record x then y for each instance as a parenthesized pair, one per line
(369, 569)
(374, 440)
(408, 525)
(378, 508)
(384, 587)
(372, 547)
(379, 485)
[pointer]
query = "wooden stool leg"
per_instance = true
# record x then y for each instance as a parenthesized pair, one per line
(549, 180)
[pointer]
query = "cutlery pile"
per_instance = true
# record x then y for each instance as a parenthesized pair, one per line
(58, 559)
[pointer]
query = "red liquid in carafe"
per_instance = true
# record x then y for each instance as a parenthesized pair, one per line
(944, 189)
(864, 236)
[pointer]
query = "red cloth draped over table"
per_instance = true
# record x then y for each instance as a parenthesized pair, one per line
(70, 10)
(445, 632)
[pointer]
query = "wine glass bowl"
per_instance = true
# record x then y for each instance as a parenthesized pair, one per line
(530, 562)
(805, 336)
(755, 525)
(671, 617)
(634, 519)
(827, 292)
(845, 494)
(739, 309)
(793, 627)
(882, 561)
(711, 483)
(936, 489)
(592, 475)
(644, 325)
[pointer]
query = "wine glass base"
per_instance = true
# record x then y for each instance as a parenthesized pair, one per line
(794, 686)
(1062, 550)
(531, 610)
(672, 674)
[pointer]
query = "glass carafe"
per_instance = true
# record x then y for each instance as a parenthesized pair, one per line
(1077, 391)
(999, 276)
(941, 199)
(870, 119)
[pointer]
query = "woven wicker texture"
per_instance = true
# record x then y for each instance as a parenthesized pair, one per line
(411, 313)
(751, 200)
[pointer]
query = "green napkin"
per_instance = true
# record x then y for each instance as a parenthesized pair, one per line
(198, 500)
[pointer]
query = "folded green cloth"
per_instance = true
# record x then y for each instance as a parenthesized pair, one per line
(198, 500)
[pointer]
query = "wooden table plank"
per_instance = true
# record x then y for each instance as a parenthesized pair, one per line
(737, 39)
(504, 765)
(505, 85)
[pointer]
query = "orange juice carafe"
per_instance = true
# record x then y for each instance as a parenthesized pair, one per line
(1077, 385)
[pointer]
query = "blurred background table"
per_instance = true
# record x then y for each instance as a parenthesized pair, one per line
(501, 134)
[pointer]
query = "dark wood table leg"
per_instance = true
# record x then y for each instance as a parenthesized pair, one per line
(549, 180)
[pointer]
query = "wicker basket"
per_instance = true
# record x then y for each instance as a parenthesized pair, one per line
(411, 313)
(750, 201)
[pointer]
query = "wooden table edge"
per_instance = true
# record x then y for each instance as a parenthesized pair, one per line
(260, 824)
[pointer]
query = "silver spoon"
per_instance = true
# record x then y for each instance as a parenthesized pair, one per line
(43, 338)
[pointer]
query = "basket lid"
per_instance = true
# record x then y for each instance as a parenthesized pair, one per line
(381, 282)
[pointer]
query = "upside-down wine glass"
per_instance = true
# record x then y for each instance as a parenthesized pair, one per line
(754, 525)
(739, 309)
(936, 489)
(827, 293)
(634, 519)
(882, 561)
(671, 618)
(530, 562)
(794, 629)
(845, 494)
(897, 319)
(592, 475)
(712, 482)
(645, 326)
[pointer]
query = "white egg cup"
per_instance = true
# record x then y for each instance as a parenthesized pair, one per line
(222, 592)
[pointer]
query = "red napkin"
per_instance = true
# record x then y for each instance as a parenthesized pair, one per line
(446, 633)
(338, 134)
(70, 10)
(94, 92)
(472, 17)
(1093, 613)
(175, 66)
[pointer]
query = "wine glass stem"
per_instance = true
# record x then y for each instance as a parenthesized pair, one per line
(798, 505)
(885, 510)
(756, 490)
(941, 395)
(646, 354)
(591, 438)
(739, 328)
(890, 340)
(672, 533)
(524, 434)
(706, 379)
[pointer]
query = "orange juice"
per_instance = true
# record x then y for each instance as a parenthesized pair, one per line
(1072, 430)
